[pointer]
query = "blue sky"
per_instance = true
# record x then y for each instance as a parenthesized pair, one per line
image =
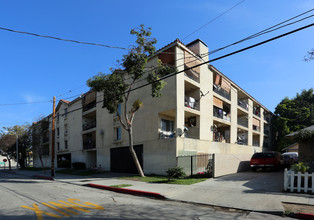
(35, 69)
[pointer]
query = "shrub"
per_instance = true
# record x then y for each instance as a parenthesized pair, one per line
(175, 172)
(300, 167)
(64, 164)
(79, 165)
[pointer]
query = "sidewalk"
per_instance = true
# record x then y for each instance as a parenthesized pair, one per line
(245, 191)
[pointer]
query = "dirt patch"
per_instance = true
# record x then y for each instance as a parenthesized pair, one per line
(298, 208)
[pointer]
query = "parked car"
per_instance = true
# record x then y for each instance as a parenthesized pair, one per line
(265, 160)
(289, 158)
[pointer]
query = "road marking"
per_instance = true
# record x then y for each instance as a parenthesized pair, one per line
(40, 212)
(63, 208)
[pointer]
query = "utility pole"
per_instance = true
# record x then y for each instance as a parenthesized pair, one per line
(53, 138)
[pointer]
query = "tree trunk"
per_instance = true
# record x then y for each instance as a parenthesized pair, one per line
(9, 162)
(132, 151)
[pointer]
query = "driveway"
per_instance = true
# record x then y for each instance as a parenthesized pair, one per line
(249, 182)
(258, 191)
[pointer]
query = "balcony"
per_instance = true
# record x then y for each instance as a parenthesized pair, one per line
(221, 133)
(243, 104)
(220, 113)
(222, 92)
(191, 102)
(256, 111)
(89, 125)
(243, 123)
(256, 128)
(242, 141)
(89, 106)
(194, 75)
(89, 144)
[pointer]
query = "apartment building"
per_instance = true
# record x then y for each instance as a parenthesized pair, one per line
(201, 111)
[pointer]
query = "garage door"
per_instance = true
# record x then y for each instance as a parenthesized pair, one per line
(122, 161)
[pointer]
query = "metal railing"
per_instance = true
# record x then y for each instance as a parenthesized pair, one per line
(243, 105)
(196, 163)
(243, 123)
(222, 92)
(89, 106)
(89, 145)
(192, 105)
(89, 125)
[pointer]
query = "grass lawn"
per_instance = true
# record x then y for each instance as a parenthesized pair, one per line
(79, 172)
(121, 185)
(164, 179)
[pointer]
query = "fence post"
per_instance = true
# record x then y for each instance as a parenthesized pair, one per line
(213, 166)
(292, 181)
(299, 181)
(285, 179)
(306, 181)
(191, 165)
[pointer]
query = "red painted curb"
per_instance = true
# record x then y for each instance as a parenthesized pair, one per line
(43, 177)
(304, 215)
(128, 191)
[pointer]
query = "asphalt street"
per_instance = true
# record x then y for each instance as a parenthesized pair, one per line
(27, 198)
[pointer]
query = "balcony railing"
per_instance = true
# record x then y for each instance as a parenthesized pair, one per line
(255, 128)
(242, 141)
(222, 92)
(89, 106)
(266, 118)
(191, 102)
(243, 123)
(243, 105)
(219, 113)
(192, 75)
(89, 145)
(89, 125)
(256, 111)
(256, 144)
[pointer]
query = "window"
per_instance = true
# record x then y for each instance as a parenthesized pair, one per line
(166, 125)
(58, 146)
(119, 110)
(66, 112)
(118, 133)
(65, 129)
(65, 144)
(58, 132)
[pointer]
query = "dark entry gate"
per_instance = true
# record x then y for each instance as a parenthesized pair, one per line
(122, 161)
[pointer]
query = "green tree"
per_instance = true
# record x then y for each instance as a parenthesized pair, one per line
(309, 56)
(21, 134)
(36, 132)
(7, 147)
(292, 115)
(118, 85)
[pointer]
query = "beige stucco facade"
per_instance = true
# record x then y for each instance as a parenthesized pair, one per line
(201, 111)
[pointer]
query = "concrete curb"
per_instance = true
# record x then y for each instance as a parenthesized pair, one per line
(43, 177)
(127, 191)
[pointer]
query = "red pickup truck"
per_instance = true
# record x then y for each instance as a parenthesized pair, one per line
(264, 160)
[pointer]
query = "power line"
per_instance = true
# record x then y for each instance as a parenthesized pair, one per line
(62, 39)
(212, 60)
(214, 19)
(265, 31)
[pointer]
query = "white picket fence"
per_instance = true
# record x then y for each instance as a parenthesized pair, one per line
(291, 176)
